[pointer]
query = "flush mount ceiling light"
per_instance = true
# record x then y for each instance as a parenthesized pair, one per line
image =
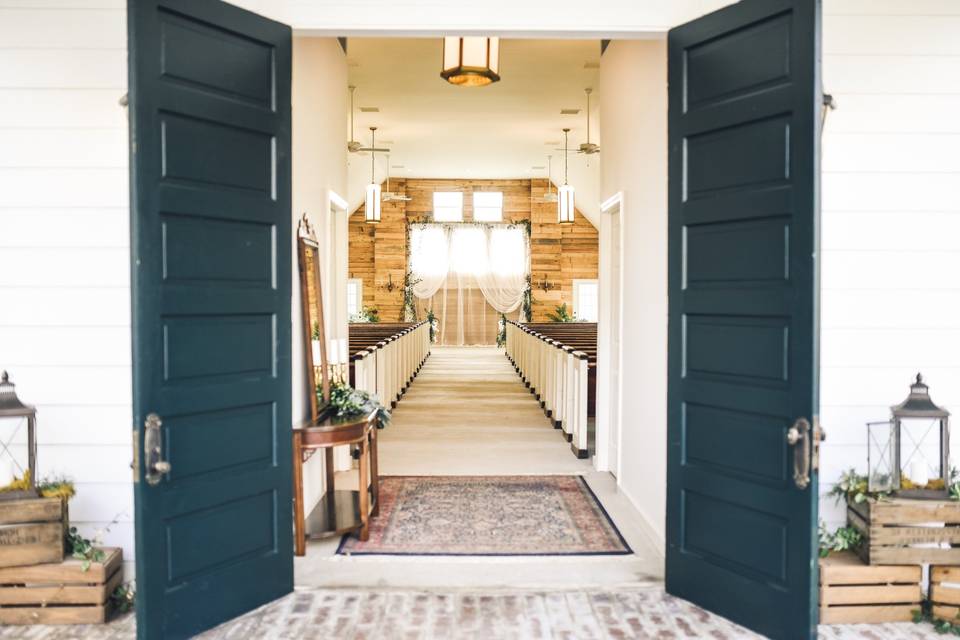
(565, 210)
(371, 205)
(471, 62)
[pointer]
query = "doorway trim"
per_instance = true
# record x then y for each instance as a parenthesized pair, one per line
(610, 325)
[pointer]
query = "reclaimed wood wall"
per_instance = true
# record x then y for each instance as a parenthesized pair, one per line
(559, 254)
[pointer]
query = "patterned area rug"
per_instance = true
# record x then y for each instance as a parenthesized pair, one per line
(488, 516)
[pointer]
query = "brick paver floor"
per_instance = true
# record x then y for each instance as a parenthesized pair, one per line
(354, 614)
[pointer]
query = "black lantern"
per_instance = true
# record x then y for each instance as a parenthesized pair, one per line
(13, 416)
(921, 446)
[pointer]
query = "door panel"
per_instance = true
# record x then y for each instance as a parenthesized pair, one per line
(210, 158)
(743, 215)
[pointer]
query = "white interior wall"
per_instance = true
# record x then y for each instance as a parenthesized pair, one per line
(320, 106)
(891, 219)
(633, 119)
(65, 250)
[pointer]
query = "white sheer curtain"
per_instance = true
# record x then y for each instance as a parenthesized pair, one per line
(468, 275)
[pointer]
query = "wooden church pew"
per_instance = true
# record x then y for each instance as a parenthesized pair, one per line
(558, 363)
(385, 357)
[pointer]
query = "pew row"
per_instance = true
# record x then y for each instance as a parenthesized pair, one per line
(385, 357)
(558, 362)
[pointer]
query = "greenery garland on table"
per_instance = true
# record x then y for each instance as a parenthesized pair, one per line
(347, 401)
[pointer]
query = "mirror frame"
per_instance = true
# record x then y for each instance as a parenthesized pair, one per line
(307, 240)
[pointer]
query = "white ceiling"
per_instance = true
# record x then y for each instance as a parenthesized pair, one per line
(438, 130)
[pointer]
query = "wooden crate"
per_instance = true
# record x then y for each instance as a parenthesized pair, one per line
(894, 531)
(851, 591)
(945, 592)
(61, 593)
(31, 531)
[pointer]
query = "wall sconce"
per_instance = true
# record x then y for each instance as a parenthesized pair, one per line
(545, 285)
(389, 286)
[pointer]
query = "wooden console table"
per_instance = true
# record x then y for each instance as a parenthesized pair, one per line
(339, 511)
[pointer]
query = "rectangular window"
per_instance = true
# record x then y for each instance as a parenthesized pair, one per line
(586, 300)
(354, 296)
(488, 206)
(448, 206)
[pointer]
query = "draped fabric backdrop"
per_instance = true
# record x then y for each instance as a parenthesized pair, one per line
(469, 274)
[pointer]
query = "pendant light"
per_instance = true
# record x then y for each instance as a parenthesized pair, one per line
(471, 62)
(565, 209)
(550, 196)
(371, 209)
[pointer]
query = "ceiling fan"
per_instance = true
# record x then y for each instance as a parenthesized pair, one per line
(354, 146)
(587, 148)
(390, 196)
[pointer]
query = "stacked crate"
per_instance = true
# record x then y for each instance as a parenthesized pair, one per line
(37, 584)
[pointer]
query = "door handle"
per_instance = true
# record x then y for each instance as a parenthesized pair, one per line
(155, 466)
(798, 437)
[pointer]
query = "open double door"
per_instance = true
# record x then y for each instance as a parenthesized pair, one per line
(211, 241)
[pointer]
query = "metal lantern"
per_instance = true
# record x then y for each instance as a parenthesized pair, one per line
(920, 445)
(13, 416)
(471, 62)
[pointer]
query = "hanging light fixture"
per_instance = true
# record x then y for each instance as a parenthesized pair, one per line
(565, 210)
(371, 208)
(550, 196)
(471, 62)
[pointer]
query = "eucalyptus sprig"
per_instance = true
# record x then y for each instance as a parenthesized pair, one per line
(940, 626)
(82, 549)
(854, 488)
(124, 597)
(843, 539)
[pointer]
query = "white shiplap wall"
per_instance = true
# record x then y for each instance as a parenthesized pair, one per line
(891, 200)
(64, 247)
(891, 218)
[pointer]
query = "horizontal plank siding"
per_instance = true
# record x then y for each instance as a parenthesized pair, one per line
(891, 215)
(64, 249)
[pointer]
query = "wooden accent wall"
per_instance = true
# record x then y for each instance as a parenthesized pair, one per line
(559, 254)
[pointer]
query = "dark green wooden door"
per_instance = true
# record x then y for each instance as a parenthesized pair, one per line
(744, 91)
(210, 157)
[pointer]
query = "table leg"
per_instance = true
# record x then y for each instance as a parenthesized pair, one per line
(364, 493)
(330, 486)
(374, 473)
(299, 535)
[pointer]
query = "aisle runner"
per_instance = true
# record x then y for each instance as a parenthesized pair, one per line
(488, 515)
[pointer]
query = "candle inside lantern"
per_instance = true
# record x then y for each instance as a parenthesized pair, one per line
(316, 353)
(7, 472)
(919, 473)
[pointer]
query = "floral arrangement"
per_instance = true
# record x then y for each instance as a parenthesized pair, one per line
(347, 401)
(502, 330)
(366, 314)
(561, 314)
(434, 326)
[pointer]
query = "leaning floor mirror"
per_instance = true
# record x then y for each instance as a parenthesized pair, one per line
(311, 298)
